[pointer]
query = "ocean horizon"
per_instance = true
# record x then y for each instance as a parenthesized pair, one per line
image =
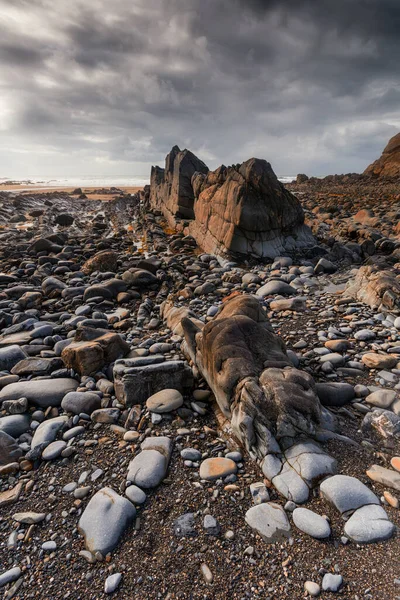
(97, 182)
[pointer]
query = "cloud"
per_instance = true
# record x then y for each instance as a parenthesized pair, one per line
(107, 88)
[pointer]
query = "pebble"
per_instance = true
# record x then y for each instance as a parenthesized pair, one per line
(312, 588)
(311, 523)
(216, 468)
(165, 401)
(331, 583)
(207, 575)
(135, 494)
(112, 582)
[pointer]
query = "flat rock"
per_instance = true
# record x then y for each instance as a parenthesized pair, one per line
(276, 287)
(104, 520)
(54, 450)
(81, 402)
(381, 398)
(379, 361)
(369, 524)
(165, 401)
(42, 392)
(215, 468)
(311, 523)
(384, 476)
(269, 520)
(347, 493)
(29, 517)
(12, 495)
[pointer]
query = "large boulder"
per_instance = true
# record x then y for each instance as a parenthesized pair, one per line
(244, 209)
(388, 165)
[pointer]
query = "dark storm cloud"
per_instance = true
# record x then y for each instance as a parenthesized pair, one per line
(312, 85)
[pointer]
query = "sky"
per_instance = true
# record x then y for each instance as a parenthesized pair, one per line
(105, 88)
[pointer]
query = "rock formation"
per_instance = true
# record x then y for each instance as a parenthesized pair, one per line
(375, 286)
(242, 209)
(388, 165)
(171, 189)
(253, 380)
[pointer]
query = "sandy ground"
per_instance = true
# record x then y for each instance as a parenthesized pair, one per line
(89, 191)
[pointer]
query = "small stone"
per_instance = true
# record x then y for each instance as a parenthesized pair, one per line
(269, 521)
(207, 575)
(311, 523)
(135, 494)
(49, 546)
(54, 450)
(395, 462)
(165, 401)
(184, 525)
(112, 583)
(391, 500)
(131, 436)
(313, 589)
(216, 468)
(191, 454)
(259, 492)
(331, 583)
(211, 525)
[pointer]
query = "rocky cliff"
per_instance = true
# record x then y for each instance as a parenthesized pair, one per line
(242, 209)
(388, 165)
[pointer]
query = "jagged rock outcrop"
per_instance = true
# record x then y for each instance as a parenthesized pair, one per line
(242, 209)
(388, 165)
(171, 190)
(375, 286)
(246, 210)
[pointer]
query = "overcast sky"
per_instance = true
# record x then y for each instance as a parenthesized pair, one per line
(107, 87)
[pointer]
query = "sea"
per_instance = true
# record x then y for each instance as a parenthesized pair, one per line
(91, 182)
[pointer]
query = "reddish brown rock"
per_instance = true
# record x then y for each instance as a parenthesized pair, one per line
(388, 165)
(102, 261)
(88, 356)
(244, 209)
